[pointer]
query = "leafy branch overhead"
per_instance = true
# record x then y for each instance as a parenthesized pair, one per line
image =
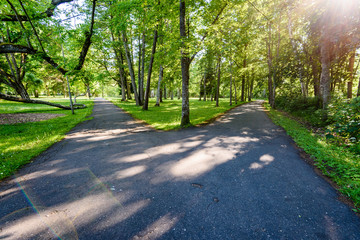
(9, 46)
(46, 14)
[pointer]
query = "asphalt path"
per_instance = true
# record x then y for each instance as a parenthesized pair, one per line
(113, 178)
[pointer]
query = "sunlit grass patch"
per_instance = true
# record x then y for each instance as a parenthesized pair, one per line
(168, 115)
(20, 142)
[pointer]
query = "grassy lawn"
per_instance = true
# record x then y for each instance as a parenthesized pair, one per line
(340, 164)
(19, 143)
(168, 115)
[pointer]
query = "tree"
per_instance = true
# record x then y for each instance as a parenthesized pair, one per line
(13, 46)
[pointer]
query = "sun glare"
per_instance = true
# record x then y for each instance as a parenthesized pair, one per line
(345, 5)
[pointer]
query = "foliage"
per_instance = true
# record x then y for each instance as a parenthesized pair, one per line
(336, 162)
(308, 109)
(167, 116)
(21, 142)
(346, 123)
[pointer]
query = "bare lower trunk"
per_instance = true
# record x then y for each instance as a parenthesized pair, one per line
(185, 110)
(128, 88)
(120, 62)
(140, 83)
(351, 75)
(147, 92)
(159, 86)
(17, 75)
(204, 86)
(251, 89)
(185, 66)
(271, 70)
(231, 84)
(218, 82)
(200, 85)
(143, 59)
(315, 74)
(131, 69)
(243, 83)
(235, 92)
(325, 69)
(88, 91)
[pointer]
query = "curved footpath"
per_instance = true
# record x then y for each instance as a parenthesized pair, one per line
(112, 178)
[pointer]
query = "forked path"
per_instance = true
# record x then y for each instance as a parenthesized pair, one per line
(112, 178)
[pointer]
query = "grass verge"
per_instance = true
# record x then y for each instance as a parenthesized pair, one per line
(19, 143)
(168, 115)
(338, 163)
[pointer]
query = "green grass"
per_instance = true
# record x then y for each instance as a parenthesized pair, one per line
(168, 115)
(338, 163)
(19, 143)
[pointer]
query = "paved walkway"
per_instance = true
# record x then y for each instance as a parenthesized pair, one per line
(112, 178)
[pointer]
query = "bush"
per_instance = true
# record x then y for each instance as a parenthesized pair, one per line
(346, 123)
(309, 109)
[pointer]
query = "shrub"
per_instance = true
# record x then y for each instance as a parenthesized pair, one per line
(346, 123)
(309, 109)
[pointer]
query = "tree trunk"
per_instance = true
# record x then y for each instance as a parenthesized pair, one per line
(351, 75)
(140, 83)
(131, 69)
(179, 93)
(143, 59)
(161, 72)
(88, 90)
(128, 88)
(230, 83)
(205, 86)
(243, 80)
(316, 77)
(218, 82)
(358, 91)
(325, 69)
(120, 62)
(122, 77)
(147, 92)
(235, 92)
(165, 93)
(161, 94)
(14, 80)
(270, 67)
(185, 66)
(200, 85)
(251, 88)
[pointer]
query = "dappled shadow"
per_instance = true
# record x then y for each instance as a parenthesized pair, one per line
(237, 178)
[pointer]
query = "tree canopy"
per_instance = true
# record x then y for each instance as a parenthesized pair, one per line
(208, 49)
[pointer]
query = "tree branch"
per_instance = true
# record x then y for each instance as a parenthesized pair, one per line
(48, 13)
(87, 42)
(206, 33)
(16, 99)
(15, 48)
